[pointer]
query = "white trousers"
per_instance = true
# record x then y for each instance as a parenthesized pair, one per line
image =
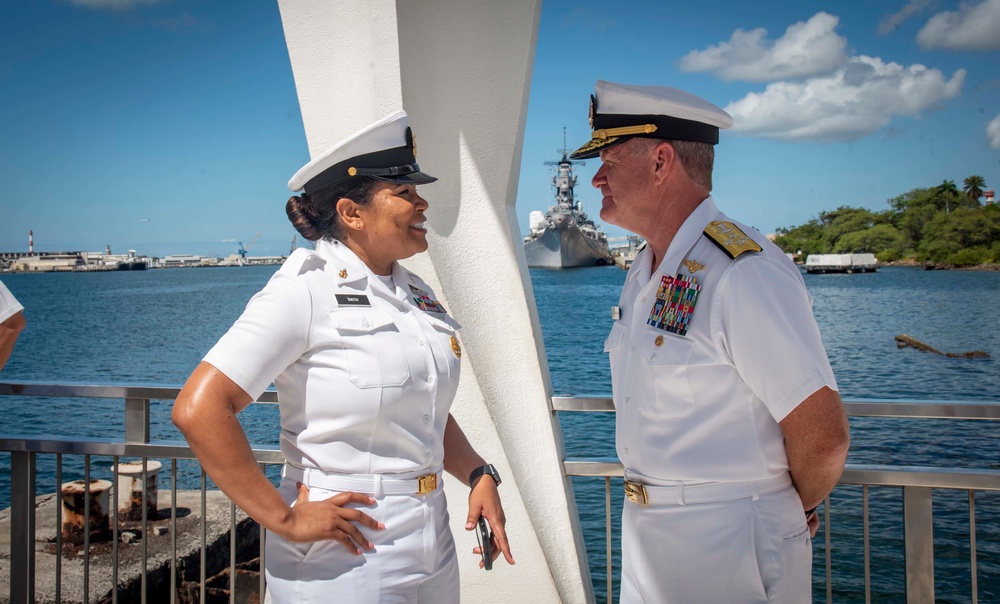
(414, 560)
(736, 551)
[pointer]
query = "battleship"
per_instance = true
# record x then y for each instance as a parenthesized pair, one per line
(564, 236)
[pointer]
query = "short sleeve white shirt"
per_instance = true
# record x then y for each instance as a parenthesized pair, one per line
(9, 306)
(365, 373)
(705, 406)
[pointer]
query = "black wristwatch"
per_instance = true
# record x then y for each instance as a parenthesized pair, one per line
(487, 469)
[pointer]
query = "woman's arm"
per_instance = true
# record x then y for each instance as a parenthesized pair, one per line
(460, 459)
(9, 330)
(205, 412)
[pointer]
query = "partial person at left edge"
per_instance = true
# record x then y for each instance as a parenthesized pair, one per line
(366, 363)
(11, 323)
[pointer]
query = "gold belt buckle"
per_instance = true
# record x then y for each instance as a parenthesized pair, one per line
(635, 492)
(428, 483)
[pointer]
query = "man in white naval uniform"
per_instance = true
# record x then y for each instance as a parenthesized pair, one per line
(729, 424)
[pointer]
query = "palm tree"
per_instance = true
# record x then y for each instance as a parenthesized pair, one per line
(946, 191)
(973, 188)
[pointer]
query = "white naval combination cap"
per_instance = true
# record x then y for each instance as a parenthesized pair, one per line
(619, 112)
(385, 150)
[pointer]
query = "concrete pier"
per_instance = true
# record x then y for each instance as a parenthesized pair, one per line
(158, 546)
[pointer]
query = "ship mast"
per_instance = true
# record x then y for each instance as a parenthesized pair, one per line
(564, 180)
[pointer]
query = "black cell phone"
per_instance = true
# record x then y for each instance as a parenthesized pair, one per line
(485, 544)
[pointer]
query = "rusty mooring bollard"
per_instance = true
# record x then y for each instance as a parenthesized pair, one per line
(74, 498)
(130, 489)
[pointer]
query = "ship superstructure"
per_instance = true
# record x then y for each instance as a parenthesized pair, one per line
(564, 236)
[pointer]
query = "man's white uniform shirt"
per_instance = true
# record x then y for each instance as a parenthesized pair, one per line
(365, 376)
(9, 306)
(705, 406)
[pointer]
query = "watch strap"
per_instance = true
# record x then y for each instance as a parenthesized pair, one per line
(487, 469)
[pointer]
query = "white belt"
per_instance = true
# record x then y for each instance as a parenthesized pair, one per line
(373, 484)
(681, 494)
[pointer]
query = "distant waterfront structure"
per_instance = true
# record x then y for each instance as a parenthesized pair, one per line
(49, 262)
(31, 242)
(76, 261)
(841, 263)
(181, 260)
(989, 194)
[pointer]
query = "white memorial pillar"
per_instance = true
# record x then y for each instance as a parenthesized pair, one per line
(462, 69)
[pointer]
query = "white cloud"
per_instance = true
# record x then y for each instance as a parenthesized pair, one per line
(993, 132)
(118, 5)
(971, 27)
(807, 49)
(891, 22)
(854, 102)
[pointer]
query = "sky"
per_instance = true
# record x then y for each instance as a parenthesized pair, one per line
(173, 126)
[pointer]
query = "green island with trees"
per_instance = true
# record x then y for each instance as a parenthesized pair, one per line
(938, 225)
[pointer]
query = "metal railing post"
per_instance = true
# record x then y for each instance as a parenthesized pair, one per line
(918, 535)
(22, 527)
(137, 420)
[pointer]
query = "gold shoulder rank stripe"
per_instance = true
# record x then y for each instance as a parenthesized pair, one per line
(730, 238)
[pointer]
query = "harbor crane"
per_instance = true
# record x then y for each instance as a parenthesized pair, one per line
(243, 251)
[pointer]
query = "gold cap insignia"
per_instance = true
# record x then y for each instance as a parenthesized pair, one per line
(413, 140)
(693, 266)
(730, 238)
(352, 171)
(455, 347)
(593, 110)
(595, 143)
(343, 273)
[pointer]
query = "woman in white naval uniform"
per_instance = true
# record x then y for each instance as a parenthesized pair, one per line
(366, 364)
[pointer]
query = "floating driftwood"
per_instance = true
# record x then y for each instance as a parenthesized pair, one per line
(903, 340)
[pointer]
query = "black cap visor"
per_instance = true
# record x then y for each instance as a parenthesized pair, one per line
(390, 165)
(666, 127)
(416, 177)
(594, 146)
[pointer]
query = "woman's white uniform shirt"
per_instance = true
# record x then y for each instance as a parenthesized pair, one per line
(365, 375)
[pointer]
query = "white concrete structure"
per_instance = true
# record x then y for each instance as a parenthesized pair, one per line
(177, 260)
(841, 263)
(461, 69)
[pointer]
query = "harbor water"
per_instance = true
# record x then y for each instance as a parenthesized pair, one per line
(153, 327)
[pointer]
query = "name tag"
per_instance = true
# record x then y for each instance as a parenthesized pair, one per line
(352, 300)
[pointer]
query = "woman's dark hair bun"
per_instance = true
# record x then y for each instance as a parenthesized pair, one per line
(304, 215)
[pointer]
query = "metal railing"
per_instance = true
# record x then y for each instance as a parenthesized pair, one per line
(24, 452)
(917, 484)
